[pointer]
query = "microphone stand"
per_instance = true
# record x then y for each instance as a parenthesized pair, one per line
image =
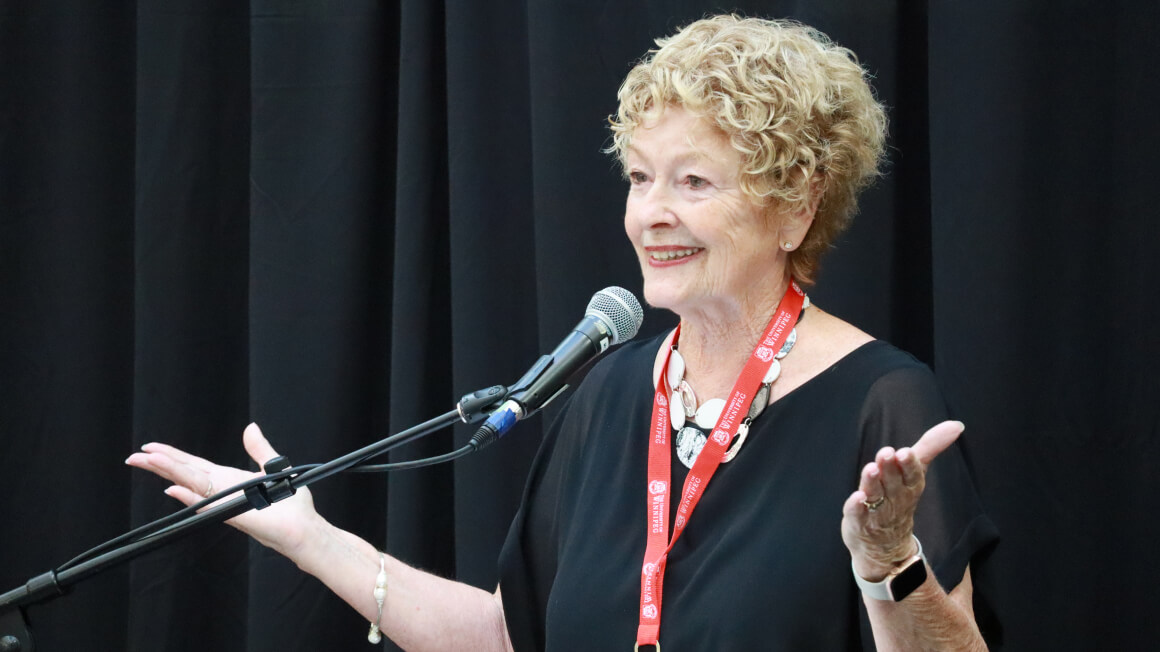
(16, 635)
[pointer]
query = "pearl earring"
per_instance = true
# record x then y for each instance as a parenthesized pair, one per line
(787, 245)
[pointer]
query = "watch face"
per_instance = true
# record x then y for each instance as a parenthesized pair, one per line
(908, 580)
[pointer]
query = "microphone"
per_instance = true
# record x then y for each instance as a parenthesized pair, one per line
(613, 316)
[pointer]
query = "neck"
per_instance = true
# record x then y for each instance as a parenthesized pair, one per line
(717, 343)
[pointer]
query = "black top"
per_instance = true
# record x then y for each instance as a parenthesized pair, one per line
(761, 564)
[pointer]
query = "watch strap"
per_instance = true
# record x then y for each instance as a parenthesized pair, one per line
(883, 590)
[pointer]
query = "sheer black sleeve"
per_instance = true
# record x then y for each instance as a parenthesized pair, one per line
(950, 521)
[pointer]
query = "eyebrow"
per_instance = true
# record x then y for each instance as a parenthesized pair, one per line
(693, 154)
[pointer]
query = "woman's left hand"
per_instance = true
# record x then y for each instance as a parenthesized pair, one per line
(880, 538)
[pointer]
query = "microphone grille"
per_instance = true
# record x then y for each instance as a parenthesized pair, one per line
(619, 309)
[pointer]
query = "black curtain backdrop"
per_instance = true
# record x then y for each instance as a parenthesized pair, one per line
(335, 218)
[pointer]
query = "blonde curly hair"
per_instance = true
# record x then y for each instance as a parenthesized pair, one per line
(798, 108)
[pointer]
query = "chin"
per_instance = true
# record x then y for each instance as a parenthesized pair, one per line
(666, 298)
(655, 297)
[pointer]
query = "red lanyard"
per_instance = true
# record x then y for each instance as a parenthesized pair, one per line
(658, 545)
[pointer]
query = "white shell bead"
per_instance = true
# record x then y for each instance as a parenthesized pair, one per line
(676, 414)
(688, 399)
(676, 370)
(772, 374)
(738, 442)
(710, 412)
(790, 340)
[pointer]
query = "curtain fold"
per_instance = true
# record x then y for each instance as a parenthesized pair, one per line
(1045, 247)
(190, 139)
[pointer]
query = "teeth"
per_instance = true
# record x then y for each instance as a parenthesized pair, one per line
(672, 255)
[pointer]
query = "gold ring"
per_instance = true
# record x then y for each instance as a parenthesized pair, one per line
(208, 490)
(875, 504)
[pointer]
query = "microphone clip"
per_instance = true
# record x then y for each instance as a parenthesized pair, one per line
(477, 406)
(263, 495)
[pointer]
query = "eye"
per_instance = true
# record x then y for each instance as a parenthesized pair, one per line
(637, 177)
(695, 182)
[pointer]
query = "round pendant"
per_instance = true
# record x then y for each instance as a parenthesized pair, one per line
(709, 413)
(690, 441)
(788, 346)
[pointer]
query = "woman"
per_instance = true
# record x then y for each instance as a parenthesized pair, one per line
(707, 467)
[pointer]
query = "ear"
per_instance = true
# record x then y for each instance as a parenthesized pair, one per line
(796, 224)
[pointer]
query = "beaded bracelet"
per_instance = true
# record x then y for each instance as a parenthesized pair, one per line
(380, 596)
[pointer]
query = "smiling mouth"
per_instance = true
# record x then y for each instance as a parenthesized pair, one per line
(672, 254)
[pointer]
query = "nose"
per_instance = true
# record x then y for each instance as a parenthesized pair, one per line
(654, 208)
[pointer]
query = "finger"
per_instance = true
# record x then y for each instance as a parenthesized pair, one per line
(139, 460)
(889, 470)
(183, 495)
(179, 455)
(177, 472)
(257, 445)
(936, 440)
(855, 506)
(159, 466)
(912, 469)
(884, 453)
(156, 463)
(874, 492)
(870, 482)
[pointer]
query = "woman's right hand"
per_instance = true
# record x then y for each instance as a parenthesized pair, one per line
(282, 526)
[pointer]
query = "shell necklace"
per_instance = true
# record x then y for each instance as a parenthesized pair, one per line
(694, 422)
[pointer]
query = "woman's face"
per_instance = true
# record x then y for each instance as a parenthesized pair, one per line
(703, 245)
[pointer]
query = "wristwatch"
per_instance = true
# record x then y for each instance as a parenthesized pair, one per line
(901, 581)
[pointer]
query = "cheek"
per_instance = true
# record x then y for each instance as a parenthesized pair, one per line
(748, 236)
(632, 226)
(732, 230)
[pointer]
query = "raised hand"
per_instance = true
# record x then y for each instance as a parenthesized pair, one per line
(878, 518)
(282, 526)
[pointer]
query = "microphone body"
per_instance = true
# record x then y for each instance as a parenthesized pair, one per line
(549, 376)
(613, 316)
